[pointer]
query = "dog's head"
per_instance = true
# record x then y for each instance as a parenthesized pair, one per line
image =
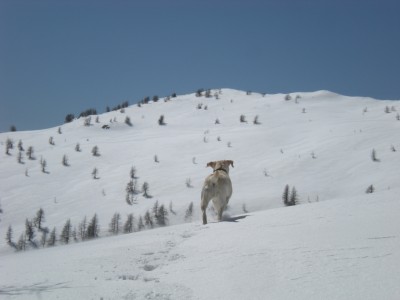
(220, 165)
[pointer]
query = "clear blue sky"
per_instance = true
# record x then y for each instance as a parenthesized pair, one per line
(60, 57)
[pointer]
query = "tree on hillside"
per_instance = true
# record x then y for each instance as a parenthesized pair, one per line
(9, 237)
(161, 120)
(189, 213)
(30, 232)
(162, 216)
(132, 173)
(128, 121)
(373, 156)
(52, 238)
(285, 195)
(128, 226)
(95, 151)
(93, 228)
(29, 152)
(145, 189)
(9, 145)
(140, 224)
(66, 232)
(65, 161)
(82, 229)
(95, 172)
(39, 219)
(20, 146)
(69, 118)
(43, 164)
(20, 157)
(115, 224)
(293, 199)
(148, 220)
(78, 148)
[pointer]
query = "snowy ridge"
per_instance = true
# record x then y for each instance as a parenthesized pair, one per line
(340, 239)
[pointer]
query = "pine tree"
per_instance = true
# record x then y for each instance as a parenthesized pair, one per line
(43, 239)
(66, 232)
(132, 173)
(21, 245)
(65, 161)
(140, 224)
(9, 145)
(9, 237)
(285, 196)
(171, 210)
(162, 216)
(20, 146)
(39, 219)
(29, 231)
(115, 224)
(128, 226)
(43, 164)
(145, 189)
(93, 228)
(78, 147)
(148, 220)
(82, 229)
(29, 152)
(20, 158)
(52, 239)
(189, 213)
(94, 173)
(293, 200)
(95, 151)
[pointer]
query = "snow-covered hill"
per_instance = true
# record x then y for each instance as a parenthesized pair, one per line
(320, 143)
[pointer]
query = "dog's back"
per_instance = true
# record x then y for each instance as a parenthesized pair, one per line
(217, 187)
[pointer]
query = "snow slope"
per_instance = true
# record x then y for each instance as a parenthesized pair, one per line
(340, 249)
(320, 143)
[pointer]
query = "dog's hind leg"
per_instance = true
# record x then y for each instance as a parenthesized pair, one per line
(204, 203)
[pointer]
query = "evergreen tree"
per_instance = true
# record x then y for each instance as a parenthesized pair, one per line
(140, 224)
(132, 172)
(43, 240)
(66, 232)
(20, 146)
(189, 212)
(21, 245)
(65, 161)
(29, 152)
(145, 189)
(82, 229)
(39, 219)
(162, 216)
(128, 226)
(9, 145)
(95, 151)
(293, 200)
(93, 228)
(29, 231)
(52, 239)
(285, 195)
(9, 237)
(115, 224)
(148, 220)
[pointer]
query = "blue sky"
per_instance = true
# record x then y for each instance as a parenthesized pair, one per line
(61, 57)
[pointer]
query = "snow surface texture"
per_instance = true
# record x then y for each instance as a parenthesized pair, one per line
(344, 248)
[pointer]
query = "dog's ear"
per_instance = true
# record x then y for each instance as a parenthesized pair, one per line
(211, 164)
(230, 162)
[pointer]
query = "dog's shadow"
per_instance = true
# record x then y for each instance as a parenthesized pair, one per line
(228, 218)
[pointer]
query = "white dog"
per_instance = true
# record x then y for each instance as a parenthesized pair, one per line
(217, 187)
